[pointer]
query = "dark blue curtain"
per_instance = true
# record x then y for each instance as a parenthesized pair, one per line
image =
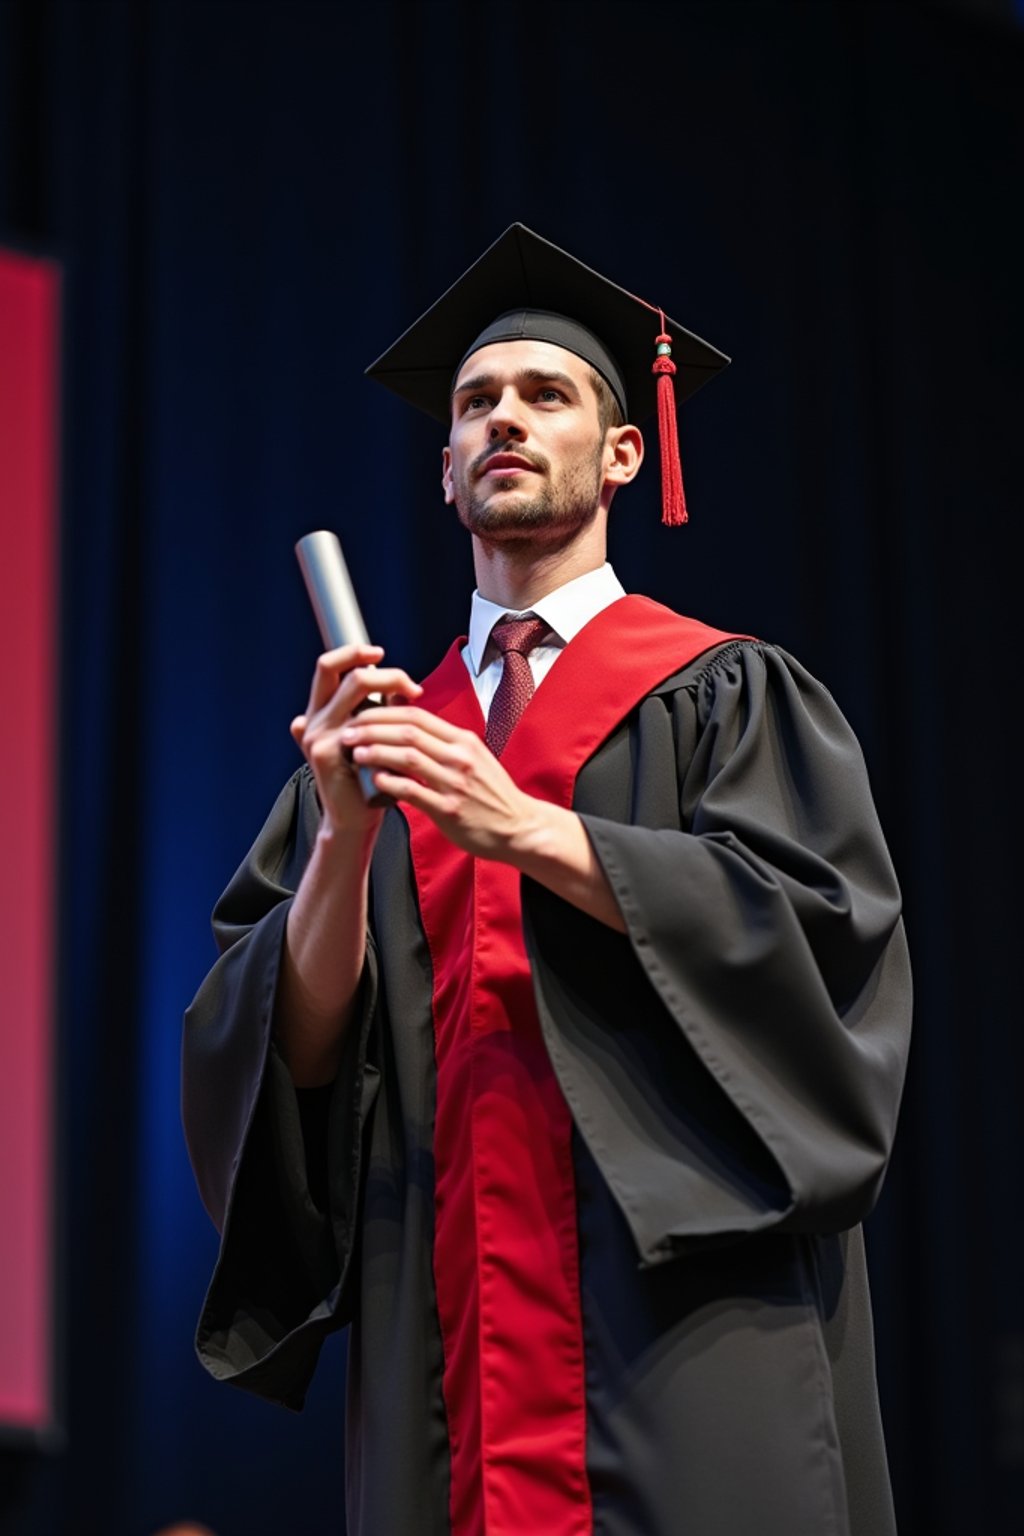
(250, 200)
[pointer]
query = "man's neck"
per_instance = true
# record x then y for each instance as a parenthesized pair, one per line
(516, 577)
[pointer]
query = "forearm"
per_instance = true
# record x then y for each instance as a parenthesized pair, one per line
(553, 848)
(324, 954)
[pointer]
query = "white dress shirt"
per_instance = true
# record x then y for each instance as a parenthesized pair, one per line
(564, 611)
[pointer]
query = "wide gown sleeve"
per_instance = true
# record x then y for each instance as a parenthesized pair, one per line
(282, 1198)
(736, 1062)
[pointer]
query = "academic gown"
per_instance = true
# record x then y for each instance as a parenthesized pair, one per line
(732, 1069)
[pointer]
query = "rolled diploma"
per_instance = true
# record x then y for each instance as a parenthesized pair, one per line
(337, 612)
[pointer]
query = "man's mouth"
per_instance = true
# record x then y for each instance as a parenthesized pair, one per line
(506, 464)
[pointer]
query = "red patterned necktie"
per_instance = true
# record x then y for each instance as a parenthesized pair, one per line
(515, 638)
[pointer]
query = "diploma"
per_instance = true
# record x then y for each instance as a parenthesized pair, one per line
(338, 614)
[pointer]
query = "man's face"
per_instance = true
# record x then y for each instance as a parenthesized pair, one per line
(526, 456)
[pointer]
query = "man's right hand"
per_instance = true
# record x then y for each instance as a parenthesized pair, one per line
(325, 937)
(344, 679)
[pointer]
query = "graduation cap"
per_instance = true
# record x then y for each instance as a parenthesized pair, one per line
(525, 288)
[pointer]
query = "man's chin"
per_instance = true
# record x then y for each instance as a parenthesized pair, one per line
(498, 494)
(511, 510)
(505, 510)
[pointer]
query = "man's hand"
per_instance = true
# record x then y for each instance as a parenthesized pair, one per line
(446, 772)
(456, 780)
(344, 679)
(325, 937)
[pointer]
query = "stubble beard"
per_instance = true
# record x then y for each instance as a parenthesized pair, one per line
(560, 510)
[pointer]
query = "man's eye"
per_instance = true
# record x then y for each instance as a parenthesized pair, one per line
(550, 393)
(476, 403)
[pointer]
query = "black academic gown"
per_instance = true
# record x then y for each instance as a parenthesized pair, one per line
(736, 1060)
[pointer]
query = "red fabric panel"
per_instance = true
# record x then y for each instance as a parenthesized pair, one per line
(29, 310)
(506, 1261)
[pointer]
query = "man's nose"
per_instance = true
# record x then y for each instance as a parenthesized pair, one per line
(507, 418)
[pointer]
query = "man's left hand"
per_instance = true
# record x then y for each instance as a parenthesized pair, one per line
(447, 773)
(456, 780)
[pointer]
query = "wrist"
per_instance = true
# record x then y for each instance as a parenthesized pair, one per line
(340, 844)
(542, 837)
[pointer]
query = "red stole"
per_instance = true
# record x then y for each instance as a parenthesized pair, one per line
(506, 1263)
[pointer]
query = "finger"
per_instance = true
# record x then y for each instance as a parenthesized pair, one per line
(328, 758)
(342, 657)
(332, 666)
(434, 803)
(355, 688)
(424, 719)
(410, 762)
(370, 728)
(399, 697)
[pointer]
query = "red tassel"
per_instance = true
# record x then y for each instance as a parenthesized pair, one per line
(673, 499)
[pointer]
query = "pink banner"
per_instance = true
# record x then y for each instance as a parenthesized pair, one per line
(29, 388)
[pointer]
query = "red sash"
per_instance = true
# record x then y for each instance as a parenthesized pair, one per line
(506, 1262)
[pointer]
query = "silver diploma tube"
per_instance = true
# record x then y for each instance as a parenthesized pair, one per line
(337, 613)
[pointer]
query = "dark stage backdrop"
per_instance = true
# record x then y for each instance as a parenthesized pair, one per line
(248, 202)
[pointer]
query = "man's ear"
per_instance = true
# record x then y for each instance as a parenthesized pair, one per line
(446, 476)
(624, 447)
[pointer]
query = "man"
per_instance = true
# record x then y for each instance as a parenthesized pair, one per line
(567, 1077)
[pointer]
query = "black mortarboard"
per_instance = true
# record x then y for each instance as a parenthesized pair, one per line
(525, 287)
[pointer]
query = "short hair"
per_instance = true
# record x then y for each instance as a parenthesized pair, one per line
(609, 413)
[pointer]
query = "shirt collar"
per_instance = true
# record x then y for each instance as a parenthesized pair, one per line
(565, 610)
